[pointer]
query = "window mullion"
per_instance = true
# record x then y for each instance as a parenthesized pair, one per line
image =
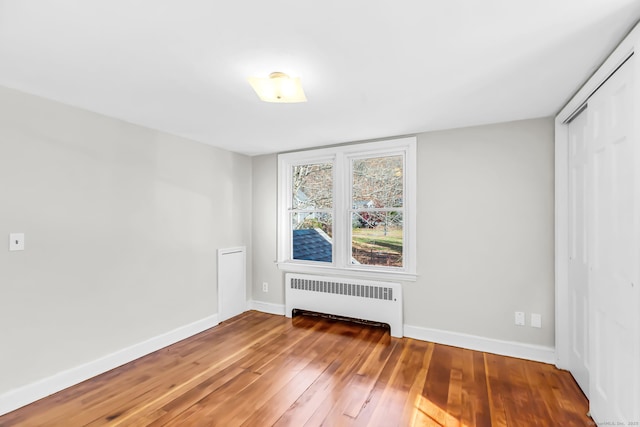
(393, 209)
(340, 229)
(323, 210)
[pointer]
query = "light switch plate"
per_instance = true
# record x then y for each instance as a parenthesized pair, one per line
(16, 242)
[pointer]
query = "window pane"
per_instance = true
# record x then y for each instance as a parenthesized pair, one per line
(377, 182)
(312, 186)
(312, 236)
(376, 238)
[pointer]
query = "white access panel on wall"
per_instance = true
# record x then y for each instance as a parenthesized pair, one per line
(232, 282)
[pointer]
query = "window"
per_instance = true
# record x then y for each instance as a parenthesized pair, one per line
(312, 212)
(349, 209)
(376, 210)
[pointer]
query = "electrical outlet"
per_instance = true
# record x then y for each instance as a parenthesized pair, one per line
(265, 287)
(536, 320)
(520, 318)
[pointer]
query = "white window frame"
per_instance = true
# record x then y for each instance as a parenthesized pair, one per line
(341, 157)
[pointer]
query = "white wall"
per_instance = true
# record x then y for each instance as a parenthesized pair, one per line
(485, 231)
(122, 224)
(265, 198)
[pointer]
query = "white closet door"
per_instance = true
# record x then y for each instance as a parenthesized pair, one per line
(612, 232)
(578, 267)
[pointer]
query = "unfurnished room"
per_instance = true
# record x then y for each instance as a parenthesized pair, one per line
(320, 213)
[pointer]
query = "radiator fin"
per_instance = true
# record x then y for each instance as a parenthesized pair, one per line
(340, 288)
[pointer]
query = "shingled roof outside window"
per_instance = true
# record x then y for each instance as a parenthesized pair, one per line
(312, 244)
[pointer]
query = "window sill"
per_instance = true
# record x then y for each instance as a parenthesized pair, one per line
(347, 272)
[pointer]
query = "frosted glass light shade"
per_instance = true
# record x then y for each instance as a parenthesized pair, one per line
(278, 87)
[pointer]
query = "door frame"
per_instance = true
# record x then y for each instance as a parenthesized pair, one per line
(578, 268)
(621, 53)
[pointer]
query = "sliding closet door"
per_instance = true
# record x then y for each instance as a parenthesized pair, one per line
(612, 231)
(578, 267)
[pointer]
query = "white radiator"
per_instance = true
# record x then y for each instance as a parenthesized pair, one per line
(359, 299)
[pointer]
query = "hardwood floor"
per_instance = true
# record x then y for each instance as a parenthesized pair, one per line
(261, 370)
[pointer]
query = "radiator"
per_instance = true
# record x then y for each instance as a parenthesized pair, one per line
(359, 299)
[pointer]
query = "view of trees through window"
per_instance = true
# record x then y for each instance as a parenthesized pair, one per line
(376, 215)
(376, 211)
(311, 213)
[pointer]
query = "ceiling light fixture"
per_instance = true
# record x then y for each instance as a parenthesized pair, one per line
(278, 87)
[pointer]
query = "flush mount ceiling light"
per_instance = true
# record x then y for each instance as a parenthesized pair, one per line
(278, 87)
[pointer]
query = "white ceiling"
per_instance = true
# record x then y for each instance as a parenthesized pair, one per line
(370, 68)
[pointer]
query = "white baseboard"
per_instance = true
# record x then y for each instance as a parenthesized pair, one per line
(520, 350)
(17, 398)
(266, 307)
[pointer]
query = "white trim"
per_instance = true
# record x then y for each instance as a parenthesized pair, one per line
(293, 267)
(520, 350)
(266, 307)
(19, 397)
(619, 55)
(562, 245)
(627, 47)
(341, 157)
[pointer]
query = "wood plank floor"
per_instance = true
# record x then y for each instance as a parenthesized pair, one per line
(261, 370)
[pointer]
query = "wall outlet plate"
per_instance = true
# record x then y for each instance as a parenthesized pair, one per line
(16, 242)
(536, 320)
(520, 318)
(265, 287)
